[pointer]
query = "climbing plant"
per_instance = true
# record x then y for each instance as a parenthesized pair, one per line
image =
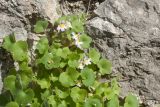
(65, 71)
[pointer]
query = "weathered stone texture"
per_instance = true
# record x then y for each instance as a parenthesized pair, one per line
(128, 33)
(18, 17)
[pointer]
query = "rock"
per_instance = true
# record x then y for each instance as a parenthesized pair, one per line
(19, 16)
(128, 34)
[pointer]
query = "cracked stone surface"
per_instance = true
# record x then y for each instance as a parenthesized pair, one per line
(128, 33)
(19, 16)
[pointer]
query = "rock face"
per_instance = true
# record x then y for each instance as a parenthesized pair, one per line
(128, 33)
(18, 16)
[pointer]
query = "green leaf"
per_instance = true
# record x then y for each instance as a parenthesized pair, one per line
(35, 103)
(24, 68)
(12, 104)
(64, 52)
(19, 51)
(18, 82)
(24, 97)
(104, 66)
(25, 80)
(93, 102)
(73, 56)
(9, 83)
(8, 42)
(45, 95)
(66, 80)
(131, 101)
(115, 86)
(77, 23)
(88, 77)
(44, 83)
(61, 93)
(73, 73)
(114, 102)
(78, 95)
(40, 26)
(86, 41)
(50, 61)
(113, 90)
(52, 101)
(73, 63)
(42, 45)
(69, 77)
(94, 55)
(101, 88)
(53, 77)
(62, 104)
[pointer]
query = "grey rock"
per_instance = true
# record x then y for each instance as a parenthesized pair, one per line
(127, 32)
(18, 17)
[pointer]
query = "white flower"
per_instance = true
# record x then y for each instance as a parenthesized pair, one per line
(83, 62)
(16, 64)
(78, 44)
(68, 24)
(75, 36)
(87, 61)
(81, 66)
(63, 26)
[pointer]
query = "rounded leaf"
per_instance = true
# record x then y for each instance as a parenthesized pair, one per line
(131, 101)
(94, 55)
(114, 102)
(104, 66)
(78, 95)
(93, 102)
(12, 104)
(66, 80)
(86, 41)
(42, 45)
(88, 77)
(40, 26)
(9, 83)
